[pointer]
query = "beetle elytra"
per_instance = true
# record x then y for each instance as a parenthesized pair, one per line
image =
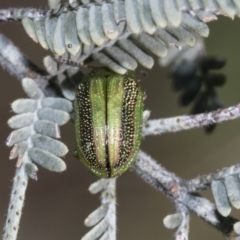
(108, 122)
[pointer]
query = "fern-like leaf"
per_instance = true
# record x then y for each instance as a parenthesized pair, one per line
(103, 219)
(121, 34)
(35, 127)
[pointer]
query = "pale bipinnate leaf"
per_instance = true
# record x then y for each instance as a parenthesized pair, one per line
(232, 185)
(120, 34)
(103, 219)
(236, 228)
(220, 197)
(226, 193)
(24, 106)
(42, 118)
(98, 186)
(54, 4)
(173, 220)
(225, 183)
(68, 78)
(35, 127)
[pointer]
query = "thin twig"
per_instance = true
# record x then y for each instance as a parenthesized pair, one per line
(109, 196)
(183, 229)
(18, 14)
(16, 203)
(175, 189)
(13, 60)
(203, 182)
(204, 209)
(179, 123)
(103, 219)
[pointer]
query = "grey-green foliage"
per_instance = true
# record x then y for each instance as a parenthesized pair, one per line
(35, 125)
(225, 190)
(68, 78)
(173, 220)
(226, 193)
(103, 219)
(120, 34)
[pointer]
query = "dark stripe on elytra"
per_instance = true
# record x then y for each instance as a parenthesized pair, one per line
(108, 166)
(128, 120)
(86, 124)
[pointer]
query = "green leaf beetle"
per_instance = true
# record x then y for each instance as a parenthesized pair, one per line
(108, 122)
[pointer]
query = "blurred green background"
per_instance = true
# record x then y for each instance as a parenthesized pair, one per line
(57, 204)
